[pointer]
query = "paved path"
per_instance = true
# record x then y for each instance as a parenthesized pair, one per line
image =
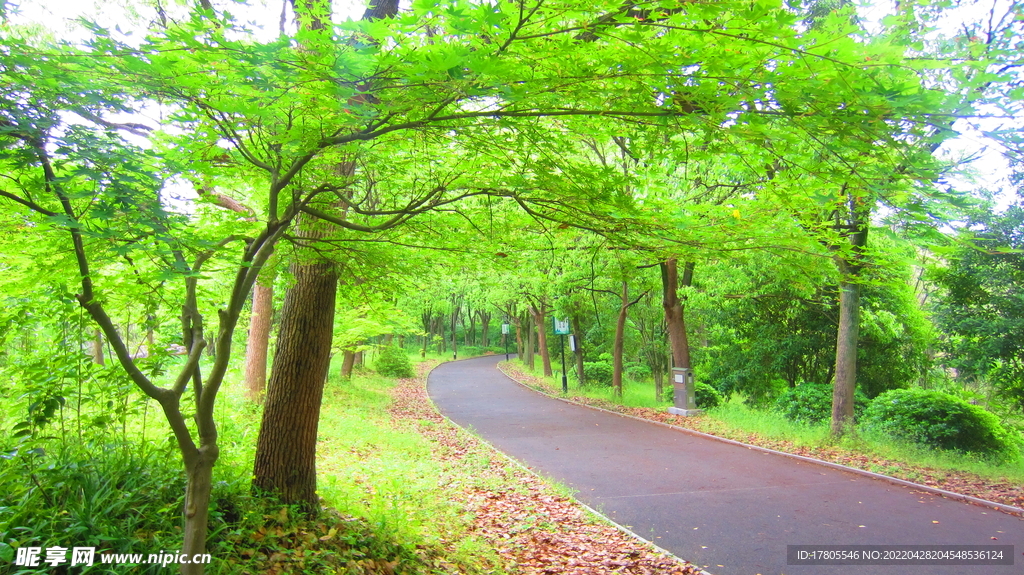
(730, 508)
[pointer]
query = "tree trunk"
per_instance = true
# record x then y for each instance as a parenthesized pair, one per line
(659, 386)
(97, 347)
(619, 342)
(259, 339)
(540, 320)
(197, 505)
(286, 449)
(579, 348)
(485, 326)
(520, 339)
(674, 320)
(442, 344)
(348, 361)
(846, 357)
(856, 222)
(531, 342)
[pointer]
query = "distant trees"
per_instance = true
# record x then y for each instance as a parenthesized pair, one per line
(979, 305)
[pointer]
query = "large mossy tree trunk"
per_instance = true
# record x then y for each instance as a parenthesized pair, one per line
(285, 462)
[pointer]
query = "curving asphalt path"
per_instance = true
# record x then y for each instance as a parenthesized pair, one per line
(727, 508)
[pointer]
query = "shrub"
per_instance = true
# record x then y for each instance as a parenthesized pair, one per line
(597, 372)
(706, 397)
(636, 371)
(471, 351)
(812, 403)
(393, 362)
(939, 420)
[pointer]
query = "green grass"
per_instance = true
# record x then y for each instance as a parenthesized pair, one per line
(737, 415)
(121, 489)
(738, 419)
(769, 424)
(634, 393)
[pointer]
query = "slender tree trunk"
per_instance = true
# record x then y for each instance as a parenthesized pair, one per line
(540, 320)
(485, 326)
(659, 386)
(197, 504)
(619, 342)
(849, 332)
(286, 449)
(531, 342)
(97, 347)
(259, 339)
(442, 344)
(674, 320)
(853, 221)
(846, 357)
(520, 339)
(348, 361)
(578, 333)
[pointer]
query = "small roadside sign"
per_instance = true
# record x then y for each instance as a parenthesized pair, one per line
(561, 326)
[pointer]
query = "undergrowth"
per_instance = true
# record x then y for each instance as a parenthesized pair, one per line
(119, 488)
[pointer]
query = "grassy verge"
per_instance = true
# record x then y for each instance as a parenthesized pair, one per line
(405, 492)
(977, 477)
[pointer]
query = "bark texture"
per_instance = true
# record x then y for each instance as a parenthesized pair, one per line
(619, 342)
(347, 363)
(849, 330)
(846, 357)
(97, 347)
(286, 449)
(259, 339)
(539, 314)
(675, 321)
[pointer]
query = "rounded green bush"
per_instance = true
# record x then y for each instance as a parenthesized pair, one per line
(938, 420)
(393, 362)
(812, 403)
(636, 371)
(597, 372)
(706, 397)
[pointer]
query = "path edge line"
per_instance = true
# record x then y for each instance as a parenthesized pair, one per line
(522, 466)
(1009, 509)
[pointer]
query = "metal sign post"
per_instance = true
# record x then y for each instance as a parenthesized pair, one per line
(504, 337)
(562, 329)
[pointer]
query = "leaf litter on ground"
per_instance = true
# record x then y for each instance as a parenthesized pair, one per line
(535, 529)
